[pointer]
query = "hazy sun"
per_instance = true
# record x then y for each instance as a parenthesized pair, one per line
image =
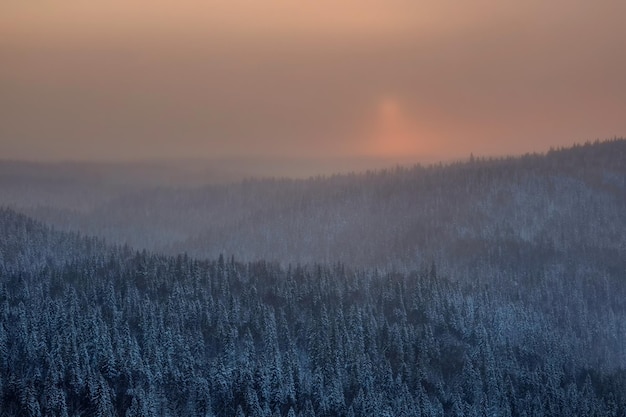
(394, 133)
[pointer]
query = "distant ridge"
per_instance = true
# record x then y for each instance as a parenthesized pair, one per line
(569, 199)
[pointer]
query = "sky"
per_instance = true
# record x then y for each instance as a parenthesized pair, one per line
(112, 80)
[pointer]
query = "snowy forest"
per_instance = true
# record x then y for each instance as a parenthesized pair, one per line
(487, 287)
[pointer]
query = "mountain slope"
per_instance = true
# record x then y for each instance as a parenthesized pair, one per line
(109, 331)
(486, 213)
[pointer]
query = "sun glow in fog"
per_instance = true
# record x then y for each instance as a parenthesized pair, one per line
(394, 133)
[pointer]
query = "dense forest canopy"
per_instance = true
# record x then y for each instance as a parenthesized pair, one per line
(488, 287)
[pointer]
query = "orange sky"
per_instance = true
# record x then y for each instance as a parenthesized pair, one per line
(139, 79)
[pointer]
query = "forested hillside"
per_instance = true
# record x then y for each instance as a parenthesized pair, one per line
(87, 329)
(488, 287)
(486, 213)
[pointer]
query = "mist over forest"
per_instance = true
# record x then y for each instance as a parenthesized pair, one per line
(488, 286)
(481, 212)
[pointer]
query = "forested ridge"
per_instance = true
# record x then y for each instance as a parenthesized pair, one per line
(490, 287)
(560, 204)
(90, 329)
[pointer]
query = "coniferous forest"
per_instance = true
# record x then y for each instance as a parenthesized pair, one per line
(491, 287)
